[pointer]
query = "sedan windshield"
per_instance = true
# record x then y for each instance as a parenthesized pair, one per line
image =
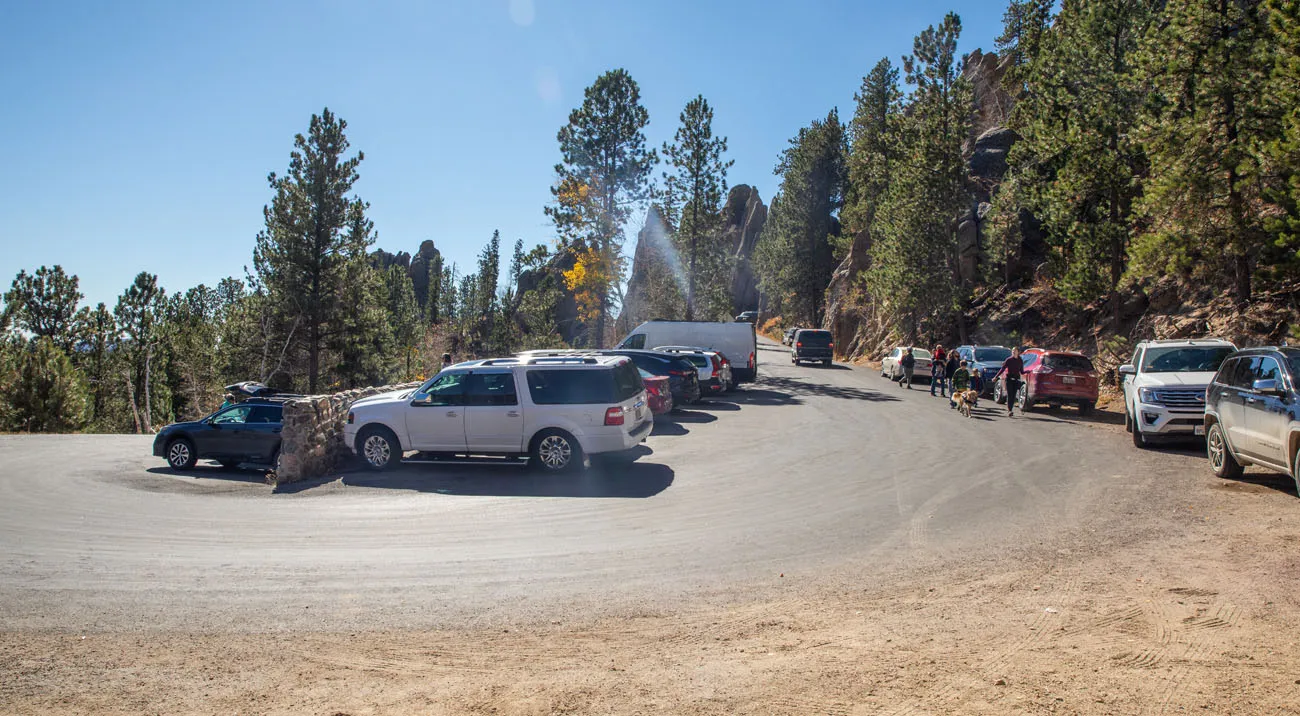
(1185, 359)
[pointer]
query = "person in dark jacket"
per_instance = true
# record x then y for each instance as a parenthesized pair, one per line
(908, 363)
(1013, 371)
(954, 362)
(939, 371)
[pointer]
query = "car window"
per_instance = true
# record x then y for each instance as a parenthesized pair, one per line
(1224, 376)
(236, 415)
(921, 354)
(491, 389)
(635, 341)
(1293, 362)
(446, 389)
(571, 387)
(1031, 358)
(1265, 368)
(627, 381)
(814, 339)
(896, 353)
(1137, 352)
(1071, 364)
(1185, 359)
(992, 355)
(262, 414)
(1240, 374)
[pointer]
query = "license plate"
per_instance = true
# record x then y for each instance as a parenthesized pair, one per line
(639, 413)
(1198, 430)
(1068, 380)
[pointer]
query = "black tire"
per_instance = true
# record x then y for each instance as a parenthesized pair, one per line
(378, 447)
(1086, 408)
(998, 397)
(1220, 454)
(555, 451)
(1139, 442)
(1128, 421)
(229, 464)
(826, 363)
(180, 454)
(1295, 470)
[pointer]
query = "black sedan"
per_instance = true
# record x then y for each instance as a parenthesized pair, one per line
(245, 433)
(683, 376)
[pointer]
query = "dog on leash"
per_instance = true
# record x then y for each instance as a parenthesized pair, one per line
(966, 399)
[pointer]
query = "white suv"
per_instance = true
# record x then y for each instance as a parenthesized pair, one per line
(554, 411)
(1164, 387)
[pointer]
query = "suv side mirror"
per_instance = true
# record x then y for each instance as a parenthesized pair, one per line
(1127, 369)
(1267, 387)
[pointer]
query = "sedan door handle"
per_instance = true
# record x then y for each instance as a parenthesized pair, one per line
(512, 414)
(452, 414)
(1251, 400)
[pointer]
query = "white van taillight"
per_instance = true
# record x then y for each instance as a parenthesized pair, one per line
(614, 416)
(751, 360)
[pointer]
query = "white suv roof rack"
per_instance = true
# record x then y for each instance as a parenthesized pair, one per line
(1190, 341)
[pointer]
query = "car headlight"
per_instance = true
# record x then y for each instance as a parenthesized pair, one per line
(1147, 395)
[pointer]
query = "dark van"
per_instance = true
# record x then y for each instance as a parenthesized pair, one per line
(812, 345)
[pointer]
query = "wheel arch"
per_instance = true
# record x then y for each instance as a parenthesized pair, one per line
(379, 424)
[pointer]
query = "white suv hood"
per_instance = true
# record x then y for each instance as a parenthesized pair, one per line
(396, 396)
(1174, 380)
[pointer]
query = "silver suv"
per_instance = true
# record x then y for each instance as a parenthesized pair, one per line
(1164, 387)
(1252, 413)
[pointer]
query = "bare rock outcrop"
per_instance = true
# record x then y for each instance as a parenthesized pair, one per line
(744, 216)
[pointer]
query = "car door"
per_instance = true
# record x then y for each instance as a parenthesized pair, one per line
(493, 417)
(1230, 401)
(262, 432)
(1268, 416)
(435, 419)
(225, 434)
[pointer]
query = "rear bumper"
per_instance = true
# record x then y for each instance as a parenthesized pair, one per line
(712, 385)
(617, 441)
(1065, 396)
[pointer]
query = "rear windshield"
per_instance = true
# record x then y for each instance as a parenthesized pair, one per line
(571, 387)
(1077, 364)
(815, 339)
(627, 381)
(1293, 360)
(992, 355)
(1185, 359)
(698, 361)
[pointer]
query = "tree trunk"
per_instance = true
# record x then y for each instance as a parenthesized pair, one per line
(130, 396)
(313, 357)
(148, 405)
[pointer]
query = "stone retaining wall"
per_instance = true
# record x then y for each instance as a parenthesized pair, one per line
(311, 442)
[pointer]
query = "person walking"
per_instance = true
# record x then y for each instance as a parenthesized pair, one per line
(950, 369)
(446, 361)
(960, 381)
(1013, 371)
(908, 363)
(938, 371)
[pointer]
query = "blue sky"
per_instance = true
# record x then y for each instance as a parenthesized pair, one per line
(138, 135)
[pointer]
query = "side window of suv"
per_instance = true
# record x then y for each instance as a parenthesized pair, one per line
(635, 342)
(448, 389)
(491, 389)
(1239, 375)
(265, 414)
(570, 387)
(1265, 368)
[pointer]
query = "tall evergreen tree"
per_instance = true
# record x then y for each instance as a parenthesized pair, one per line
(100, 334)
(698, 179)
(306, 254)
(873, 141)
(48, 393)
(795, 260)
(1283, 153)
(403, 317)
(603, 176)
(1025, 26)
(139, 312)
(1203, 135)
(45, 305)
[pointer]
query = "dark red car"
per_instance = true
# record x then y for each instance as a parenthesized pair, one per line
(1055, 378)
(658, 391)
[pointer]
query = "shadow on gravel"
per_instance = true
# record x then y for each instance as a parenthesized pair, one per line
(214, 472)
(666, 426)
(800, 388)
(605, 478)
(1258, 481)
(692, 416)
(716, 404)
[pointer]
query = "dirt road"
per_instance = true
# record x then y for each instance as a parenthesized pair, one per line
(824, 543)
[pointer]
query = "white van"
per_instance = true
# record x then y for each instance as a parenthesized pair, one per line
(737, 341)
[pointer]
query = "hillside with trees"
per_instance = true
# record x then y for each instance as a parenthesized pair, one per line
(1114, 169)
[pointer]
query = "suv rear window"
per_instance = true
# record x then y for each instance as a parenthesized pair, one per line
(571, 387)
(814, 339)
(627, 381)
(698, 361)
(1076, 364)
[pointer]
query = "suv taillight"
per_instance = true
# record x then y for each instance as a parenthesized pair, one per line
(717, 365)
(799, 344)
(614, 416)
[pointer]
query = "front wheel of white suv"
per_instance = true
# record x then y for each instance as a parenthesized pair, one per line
(1220, 455)
(555, 451)
(379, 448)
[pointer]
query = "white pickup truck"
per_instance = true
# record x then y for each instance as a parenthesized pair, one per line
(554, 411)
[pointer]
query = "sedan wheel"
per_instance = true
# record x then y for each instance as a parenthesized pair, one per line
(180, 454)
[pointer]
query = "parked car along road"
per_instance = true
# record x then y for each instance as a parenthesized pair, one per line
(1164, 387)
(681, 373)
(788, 338)
(714, 370)
(739, 341)
(1055, 378)
(986, 361)
(747, 317)
(812, 345)
(924, 364)
(552, 410)
(658, 391)
(1252, 413)
(248, 432)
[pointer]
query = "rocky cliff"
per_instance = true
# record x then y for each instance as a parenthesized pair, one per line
(423, 267)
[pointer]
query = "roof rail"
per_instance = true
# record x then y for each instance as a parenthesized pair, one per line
(500, 361)
(560, 359)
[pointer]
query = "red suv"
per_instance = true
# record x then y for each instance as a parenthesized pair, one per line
(1055, 378)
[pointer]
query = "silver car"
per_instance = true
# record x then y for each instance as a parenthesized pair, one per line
(1252, 413)
(890, 368)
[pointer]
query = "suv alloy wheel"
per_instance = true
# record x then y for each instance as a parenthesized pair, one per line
(1220, 455)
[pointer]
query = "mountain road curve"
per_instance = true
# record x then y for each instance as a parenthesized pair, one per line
(811, 473)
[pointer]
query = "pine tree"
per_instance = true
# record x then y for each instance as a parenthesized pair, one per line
(698, 179)
(794, 256)
(1207, 71)
(1283, 153)
(139, 312)
(1025, 26)
(486, 299)
(45, 305)
(100, 333)
(403, 317)
(306, 253)
(603, 176)
(48, 393)
(873, 139)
